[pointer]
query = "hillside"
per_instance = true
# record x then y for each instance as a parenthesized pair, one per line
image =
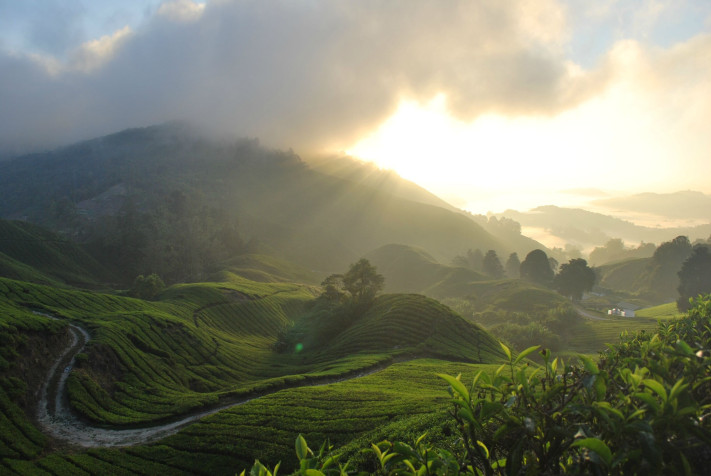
(146, 185)
(34, 254)
(408, 269)
(623, 275)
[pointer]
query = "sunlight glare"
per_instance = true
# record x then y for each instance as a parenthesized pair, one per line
(601, 144)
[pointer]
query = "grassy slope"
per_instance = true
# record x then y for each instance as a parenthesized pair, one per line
(413, 325)
(34, 254)
(592, 336)
(663, 311)
(513, 295)
(623, 275)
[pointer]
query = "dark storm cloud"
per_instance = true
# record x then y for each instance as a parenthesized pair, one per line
(306, 74)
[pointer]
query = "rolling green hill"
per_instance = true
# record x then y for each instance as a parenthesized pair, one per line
(199, 345)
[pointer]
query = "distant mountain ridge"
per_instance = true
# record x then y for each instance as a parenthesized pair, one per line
(584, 227)
(687, 204)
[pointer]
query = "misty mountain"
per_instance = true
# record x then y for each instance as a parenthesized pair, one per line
(682, 205)
(587, 228)
(193, 193)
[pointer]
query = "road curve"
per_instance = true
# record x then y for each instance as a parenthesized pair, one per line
(589, 315)
(58, 420)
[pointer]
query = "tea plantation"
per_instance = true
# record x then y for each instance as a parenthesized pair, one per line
(207, 345)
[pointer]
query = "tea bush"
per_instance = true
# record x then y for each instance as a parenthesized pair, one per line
(643, 408)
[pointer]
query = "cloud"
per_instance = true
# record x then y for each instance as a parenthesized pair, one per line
(307, 75)
(181, 10)
(93, 54)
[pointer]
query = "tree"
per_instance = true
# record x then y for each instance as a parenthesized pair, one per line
(575, 277)
(147, 287)
(661, 278)
(363, 282)
(536, 267)
(492, 265)
(513, 266)
(694, 276)
(333, 287)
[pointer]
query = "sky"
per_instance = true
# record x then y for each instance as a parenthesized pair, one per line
(490, 104)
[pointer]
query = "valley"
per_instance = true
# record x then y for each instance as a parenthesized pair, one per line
(162, 314)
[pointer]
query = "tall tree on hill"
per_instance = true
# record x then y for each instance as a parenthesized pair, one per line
(575, 277)
(363, 282)
(694, 276)
(492, 265)
(536, 267)
(472, 260)
(661, 278)
(513, 266)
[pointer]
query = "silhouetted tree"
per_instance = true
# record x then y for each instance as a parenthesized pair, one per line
(536, 267)
(492, 266)
(472, 260)
(575, 277)
(513, 266)
(662, 276)
(694, 276)
(363, 282)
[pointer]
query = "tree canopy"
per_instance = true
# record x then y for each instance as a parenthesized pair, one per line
(361, 283)
(575, 277)
(513, 266)
(694, 276)
(492, 266)
(536, 267)
(661, 278)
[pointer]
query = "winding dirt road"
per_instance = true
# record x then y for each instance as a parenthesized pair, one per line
(59, 421)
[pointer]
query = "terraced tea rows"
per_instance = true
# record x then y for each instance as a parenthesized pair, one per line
(591, 336)
(406, 399)
(148, 361)
(418, 325)
(201, 344)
